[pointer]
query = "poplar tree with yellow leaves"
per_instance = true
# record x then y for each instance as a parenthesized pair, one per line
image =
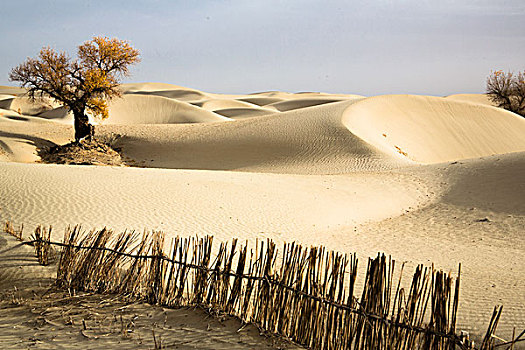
(85, 84)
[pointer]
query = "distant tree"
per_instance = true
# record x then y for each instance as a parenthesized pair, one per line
(83, 84)
(507, 90)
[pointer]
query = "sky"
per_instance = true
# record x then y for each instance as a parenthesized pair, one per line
(372, 47)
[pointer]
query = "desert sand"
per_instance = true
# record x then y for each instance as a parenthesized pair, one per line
(425, 179)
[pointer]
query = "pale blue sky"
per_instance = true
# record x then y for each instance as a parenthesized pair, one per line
(369, 47)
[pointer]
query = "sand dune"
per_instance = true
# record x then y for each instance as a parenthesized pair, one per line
(11, 90)
(188, 201)
(6, 101)
(214, 104)
(145, 87)
(15, 99)
(4, 97)
(233, 108)
(494, 184)
(284, 101)
(426, 179)
(165, 90)
(289, 105)
(433, 129)
(261, 100)
(140, 109)
(20, 136)
(482, 99)
(305, 141)
(302, 95)
(242, 113)
(61, 114)
(181, 95)
(477, 221)
(24, 105)
(9, 113)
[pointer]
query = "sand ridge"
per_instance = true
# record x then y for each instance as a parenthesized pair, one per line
(433, 130)
(151, 109)
(472, 98)
(306, 141)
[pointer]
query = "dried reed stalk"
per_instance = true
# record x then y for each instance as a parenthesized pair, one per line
(488, 340)
(41, 242)
(10, 229)
(304, 294)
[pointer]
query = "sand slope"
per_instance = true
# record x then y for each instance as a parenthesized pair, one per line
(185, 95)
(432, 129)
(148, 87)
(482, 99)
(14, 102)
(233, 108)
(242, 113)
(11, 90)
(20, 136)
(478, 221)
(150, 109)
(190, 201)
(24, 105)
(306, 141)
(7, 113)
(289, 105)
(215, 104)
(59, 114)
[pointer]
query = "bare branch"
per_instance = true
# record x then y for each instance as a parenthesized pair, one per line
(86, 83)
(507, 91)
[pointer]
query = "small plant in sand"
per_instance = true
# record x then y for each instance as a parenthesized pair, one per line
(83, 84)
(507, 90)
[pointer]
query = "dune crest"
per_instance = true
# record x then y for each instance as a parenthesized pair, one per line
(292, 104)
(138, 87)
(149, 109)
(304, 141)
(24, 105)
(243, 113)
(432, 129)
(482, 99)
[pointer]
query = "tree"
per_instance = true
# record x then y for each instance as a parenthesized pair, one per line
(507, 90)
(83, 84)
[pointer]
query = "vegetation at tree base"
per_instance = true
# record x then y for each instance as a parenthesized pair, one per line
(84, 84)
(507, 90)
(87, 152)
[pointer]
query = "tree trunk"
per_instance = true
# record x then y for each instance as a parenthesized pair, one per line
(83, 129)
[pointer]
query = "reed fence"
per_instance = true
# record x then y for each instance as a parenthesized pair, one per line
(307, 295)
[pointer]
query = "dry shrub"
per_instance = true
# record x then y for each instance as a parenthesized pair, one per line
(507, 90)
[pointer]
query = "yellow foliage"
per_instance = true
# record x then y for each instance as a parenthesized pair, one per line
(109, 55)
(86, 83)
(98, 107)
